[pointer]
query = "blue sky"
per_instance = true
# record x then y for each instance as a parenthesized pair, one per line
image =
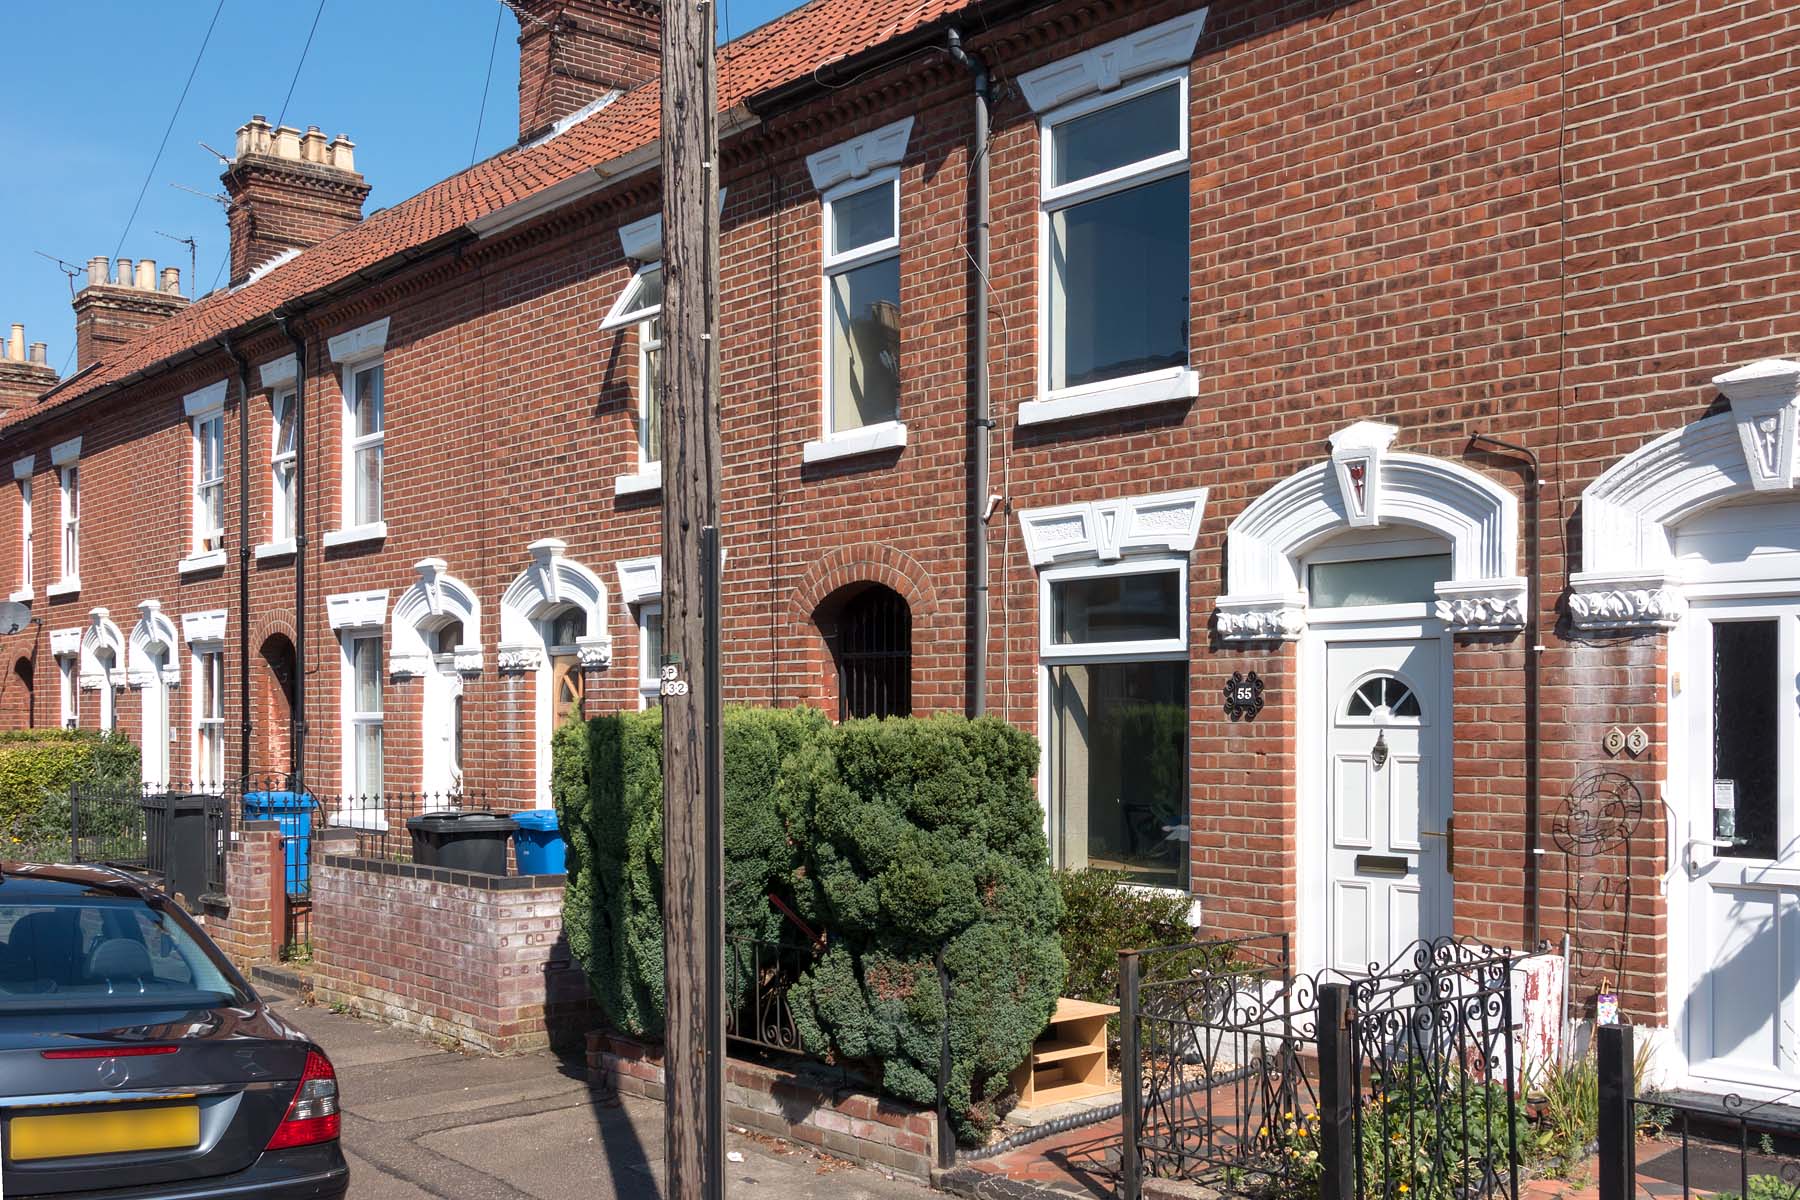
(89, 89)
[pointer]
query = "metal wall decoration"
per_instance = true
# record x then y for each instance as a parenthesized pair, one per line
(1243, 696)
(1602, 811)
(1593, 831)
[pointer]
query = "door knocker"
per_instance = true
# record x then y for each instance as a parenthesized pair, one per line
(1379, 754)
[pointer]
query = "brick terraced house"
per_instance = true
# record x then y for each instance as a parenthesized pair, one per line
(1365, 455)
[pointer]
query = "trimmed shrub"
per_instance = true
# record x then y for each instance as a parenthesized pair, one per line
(895, 839)
(1102, 916)
(607, 784)
(37, 768)
(915, 837)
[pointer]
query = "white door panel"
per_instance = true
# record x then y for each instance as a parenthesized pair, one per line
(1387, 736)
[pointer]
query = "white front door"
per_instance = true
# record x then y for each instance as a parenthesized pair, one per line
(442, 773)
(1387, 800)
(1739, 837)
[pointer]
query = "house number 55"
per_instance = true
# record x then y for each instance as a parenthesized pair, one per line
(672, 682)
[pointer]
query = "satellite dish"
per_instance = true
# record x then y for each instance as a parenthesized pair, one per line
(13, 616)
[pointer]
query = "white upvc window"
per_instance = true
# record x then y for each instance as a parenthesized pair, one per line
(68, 688)
(209, 716)
(364, 450)
(359, 355)
(25, 564)
(862, 304)
(363, 712)
(70, 479)
(282, 461)
(1113, 641)
(650, 652)
(209, 482)
(639, 306)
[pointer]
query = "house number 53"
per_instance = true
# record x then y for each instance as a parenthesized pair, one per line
(672, 682)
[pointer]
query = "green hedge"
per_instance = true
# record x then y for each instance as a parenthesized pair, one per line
(1102, 916)
(896, 839)
(37, 768)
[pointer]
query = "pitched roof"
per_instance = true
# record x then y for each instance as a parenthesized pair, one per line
(783, 51)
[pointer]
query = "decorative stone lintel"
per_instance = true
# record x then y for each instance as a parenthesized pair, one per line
(1764, 396)
(408, 666)
(513, 660)
(1262, 619)
(1603, 601)
(467, 660)
(595, 652)
(1484, 606)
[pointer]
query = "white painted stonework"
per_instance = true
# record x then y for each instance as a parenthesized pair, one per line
(553, 581)
(1111, 529)
(1266, 600)
(858, 157)
(154, 634)
(1105, 67)
(102, 637)
(1629, 578)
(354, 610)
(437, 599)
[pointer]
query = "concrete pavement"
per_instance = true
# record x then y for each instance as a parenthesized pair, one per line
(421, 1121)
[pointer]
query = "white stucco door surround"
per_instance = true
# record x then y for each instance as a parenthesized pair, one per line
(1697, 533)
(1373, 861)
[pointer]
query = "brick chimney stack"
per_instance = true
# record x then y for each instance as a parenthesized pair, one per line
(115, 308)
(573, 52)
(289, 190)
(24, 375)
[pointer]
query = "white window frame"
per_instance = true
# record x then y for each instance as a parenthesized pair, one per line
(649, 673)
(281, 503)
(205, 411)
(878, 435)
(22, 470)
(69, 690)
(355, 720)
(354, 352)
(208, 740)
(627, 313)
(1156, 648)
(66, 458)
(1130, 391)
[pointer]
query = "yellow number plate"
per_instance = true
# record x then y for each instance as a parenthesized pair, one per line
(120, 1131)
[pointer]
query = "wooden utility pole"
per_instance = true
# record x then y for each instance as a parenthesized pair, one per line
(693, 758)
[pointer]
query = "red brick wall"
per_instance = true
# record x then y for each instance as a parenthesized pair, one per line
(486, 965)
(249, 922)
(1553, 222)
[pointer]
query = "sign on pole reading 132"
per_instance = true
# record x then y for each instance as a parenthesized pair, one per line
(672, 682)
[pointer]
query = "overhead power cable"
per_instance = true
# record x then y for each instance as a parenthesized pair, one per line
(317, 13)
(486, 83)
(157, 161)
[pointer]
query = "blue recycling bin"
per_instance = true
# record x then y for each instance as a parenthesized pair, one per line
(538, 843)
(293, 812)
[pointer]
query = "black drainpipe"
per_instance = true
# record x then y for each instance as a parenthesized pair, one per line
(297, 728)
(243, 380)
(1534, 651)
(981, 416)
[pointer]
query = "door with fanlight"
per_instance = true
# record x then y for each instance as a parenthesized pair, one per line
(1739, 858)
(1386, 818)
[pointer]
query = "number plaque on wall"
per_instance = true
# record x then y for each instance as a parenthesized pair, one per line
(1243, 696)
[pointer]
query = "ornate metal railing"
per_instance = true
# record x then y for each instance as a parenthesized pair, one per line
(758, 975)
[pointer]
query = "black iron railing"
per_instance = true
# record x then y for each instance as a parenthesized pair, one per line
(758, 975)
(1728, 1148)
(179, 837)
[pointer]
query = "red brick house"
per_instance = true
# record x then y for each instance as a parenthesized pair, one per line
(1430, 361)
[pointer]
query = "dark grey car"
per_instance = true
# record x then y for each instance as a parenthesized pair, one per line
(136, 1064)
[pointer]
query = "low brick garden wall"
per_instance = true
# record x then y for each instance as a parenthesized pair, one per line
(801, 1105)
(249, 921)
(478, 959)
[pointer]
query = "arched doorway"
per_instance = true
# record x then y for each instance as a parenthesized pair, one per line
(20, 712)
(868, 627)
(275, 707)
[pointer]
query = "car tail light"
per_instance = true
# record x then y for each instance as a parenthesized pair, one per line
(312, 1116)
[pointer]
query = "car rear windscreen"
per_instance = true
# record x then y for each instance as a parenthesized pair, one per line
(104, 952)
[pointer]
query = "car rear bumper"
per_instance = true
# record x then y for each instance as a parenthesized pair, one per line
(309, 1173)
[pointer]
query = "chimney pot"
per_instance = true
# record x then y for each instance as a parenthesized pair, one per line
(15, 345)
(99, 269)
(312, 146)
(40, 354)
(123, 277)
(146, 275)
(343, 152)
(287, 143)
(171, 280)
(106, 321)
(275, 211)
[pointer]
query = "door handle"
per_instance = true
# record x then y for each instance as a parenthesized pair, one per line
(1448, 837)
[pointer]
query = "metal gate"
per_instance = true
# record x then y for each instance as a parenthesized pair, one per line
(1250, 1080)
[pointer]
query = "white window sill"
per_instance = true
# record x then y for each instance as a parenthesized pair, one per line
(281, 549)
(206, 560)
(1181, 383)
(356, 534)
(647, 480)
(22, 596)
(870, 439)
(64, 587)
